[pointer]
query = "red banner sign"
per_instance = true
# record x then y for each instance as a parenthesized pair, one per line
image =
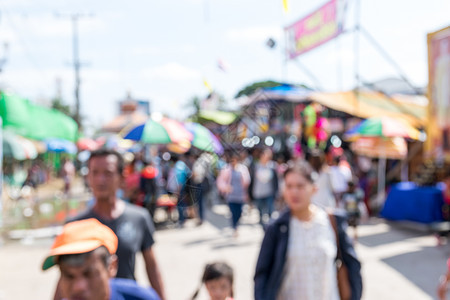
(316, 29)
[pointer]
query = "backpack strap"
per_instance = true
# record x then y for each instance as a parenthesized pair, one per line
(345, 290)
(333, 222)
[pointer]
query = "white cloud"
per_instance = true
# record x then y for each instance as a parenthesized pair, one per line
(51, 25)
(154, 50)
(12, 3)
(7, 35)
(32, 79)
(254, 34)
(146, 50)
(96, 75)
(342, 57)
(171, 71)
(196, 2)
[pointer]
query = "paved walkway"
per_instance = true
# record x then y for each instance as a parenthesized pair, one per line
(397, 263)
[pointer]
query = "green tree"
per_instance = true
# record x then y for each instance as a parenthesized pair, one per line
(194, 105)
(58, 104)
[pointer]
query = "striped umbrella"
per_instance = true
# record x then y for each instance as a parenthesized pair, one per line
(203, 138)
(392, 148)
(165, 131)
(383, 127)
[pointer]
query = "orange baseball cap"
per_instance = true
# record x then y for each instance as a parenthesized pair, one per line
(81, 237)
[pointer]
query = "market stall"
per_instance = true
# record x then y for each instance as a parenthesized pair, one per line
(408, 202)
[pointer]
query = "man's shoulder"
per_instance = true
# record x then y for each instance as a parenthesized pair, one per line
(138, 214)
(129, 289)
(86, 214)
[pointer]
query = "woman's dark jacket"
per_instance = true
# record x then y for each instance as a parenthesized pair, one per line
(272, 257)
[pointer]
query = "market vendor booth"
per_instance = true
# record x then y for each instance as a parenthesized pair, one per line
(408, 202)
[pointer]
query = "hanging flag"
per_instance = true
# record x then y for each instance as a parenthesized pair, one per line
(285, 6)
(222, 65)
(207, 85)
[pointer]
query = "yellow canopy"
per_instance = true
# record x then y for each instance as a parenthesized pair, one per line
(366, 104)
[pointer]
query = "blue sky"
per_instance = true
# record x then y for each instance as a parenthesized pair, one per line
(162, 50)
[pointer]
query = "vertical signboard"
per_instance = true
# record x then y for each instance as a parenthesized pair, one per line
(1, 172)
(438, 143)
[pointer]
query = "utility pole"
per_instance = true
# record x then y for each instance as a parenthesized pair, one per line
(4, 58)
(76, 67)
(75, 17)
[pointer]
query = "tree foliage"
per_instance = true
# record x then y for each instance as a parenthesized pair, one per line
(58, 104)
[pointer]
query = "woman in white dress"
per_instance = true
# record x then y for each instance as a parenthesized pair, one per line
(299, 250)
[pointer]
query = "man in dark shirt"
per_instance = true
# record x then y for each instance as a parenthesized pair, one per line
(84, 252)
(130, 223)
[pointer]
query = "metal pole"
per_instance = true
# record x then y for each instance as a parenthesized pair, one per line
(311, 76)
(284, 57)
(356, 54)
(76, 67)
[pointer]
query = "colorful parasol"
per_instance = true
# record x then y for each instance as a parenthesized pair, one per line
(392, 148)
(159, 132)
(383, 127)
(180, 147)
(60, 145)
(115, 142)
(17, 147)
(87, 144)
(203, 138)
(391, 144)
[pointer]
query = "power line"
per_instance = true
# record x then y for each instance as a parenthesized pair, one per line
(24, 45)
(389, 59)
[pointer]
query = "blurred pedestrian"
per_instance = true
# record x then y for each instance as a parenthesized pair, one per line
(201, 173)
(233, 183)
(131, 182)
(218, 280)
(32, 179)
(298, 254)
(446, 194)
(264, 185)
(340, 176)
(68, 174)
(85, 253)
(148, 186)
(177, 185)
(324, 197)
(352, 199)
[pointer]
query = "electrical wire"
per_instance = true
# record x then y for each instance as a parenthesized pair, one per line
(36, 67)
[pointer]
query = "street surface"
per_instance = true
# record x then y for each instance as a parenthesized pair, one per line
(398, 263)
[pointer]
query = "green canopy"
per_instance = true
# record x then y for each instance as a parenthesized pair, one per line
(219, 117)
(35, 122)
